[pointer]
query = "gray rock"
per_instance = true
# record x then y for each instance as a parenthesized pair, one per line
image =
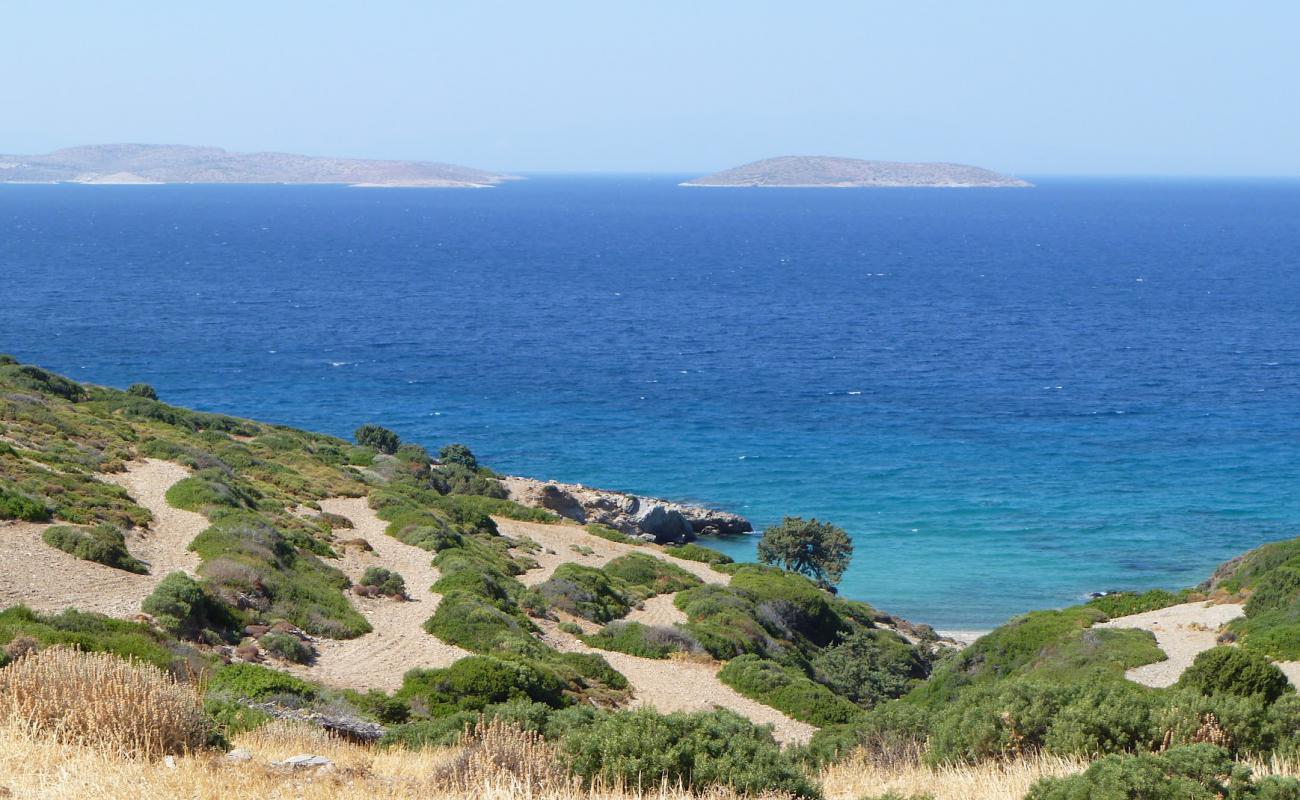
(304, 761)
(239, 755)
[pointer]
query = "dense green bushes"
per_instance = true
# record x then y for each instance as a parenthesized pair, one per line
(1123, 604)
(642, 749)
(260, 684)
(647, 641)
(585, 592)
(384, 581)
(286, 646)
(1270, 577)
(476, 682)
(16, 505)
(787, 689)
(182, 607)
(869, 667)
(250, 563)
(1235, 671)
(648, 576)
(210, 488)
(103, 544)
(380, 438)
(97, 633)
(695, 552)
(1194, 772)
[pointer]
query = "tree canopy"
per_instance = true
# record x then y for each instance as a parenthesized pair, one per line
(819, 550)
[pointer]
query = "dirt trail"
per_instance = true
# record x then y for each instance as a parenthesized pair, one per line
(46, 579)
(398, 642)
(1182, 631)
(562, 540)
(669, 685)
(658, 610)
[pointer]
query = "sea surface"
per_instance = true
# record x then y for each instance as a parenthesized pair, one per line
(1009, 398)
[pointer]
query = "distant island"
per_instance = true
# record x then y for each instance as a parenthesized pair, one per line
(832, 172)
(152, 163)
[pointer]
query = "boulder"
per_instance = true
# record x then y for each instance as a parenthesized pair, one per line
(304, 761)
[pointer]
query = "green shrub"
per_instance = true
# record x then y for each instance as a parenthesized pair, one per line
(471, 622)
(1235, 671)
(259, 684)
(385, 581)
(585, 592)
(695, 552)
(647, 641)
(869, 667)
(893, 732)
(456, 479)
(381, 439)
(1194, 772)
(229, 718)
(16, 505)
(460, 455)
(642, 749)
(1123, 604)
(649, 575)
(286, 646)
(142, 390)
(609, 534)
(103, 544)
(210, 487)
(475, 682)
(98, 633)
(788, 690)
(180, 606)
(248, 561)
(377, 704)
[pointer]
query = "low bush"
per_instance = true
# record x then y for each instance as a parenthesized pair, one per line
(643, 749)
(286, 646)
(695, 552)
(103, 544)
(1123, 604)
(385, 581)
(101, 700)
(98, 633)
(585, 592)
(14, 504)
(788, 690)
(647, 641)
(650, 576)
(380, 438)
(870, 666)
(476, 682)
(458, 454)
(142, 390)
(1193, 772)
(609, 534)
(210, 488)
(1235, 671)
(260, 684)
(180, 606)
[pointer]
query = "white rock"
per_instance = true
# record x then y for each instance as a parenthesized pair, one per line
(304, 761)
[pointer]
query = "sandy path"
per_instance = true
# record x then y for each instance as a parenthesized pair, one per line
(46, 579)
(398, 642)
(682, 686)
(1182, 631)
(561, 539)
(658, 610)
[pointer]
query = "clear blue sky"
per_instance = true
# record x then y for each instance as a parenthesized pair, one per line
(1151, 87)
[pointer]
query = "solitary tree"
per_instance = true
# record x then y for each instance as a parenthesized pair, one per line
(142, 390)
(382, 439)
(817, 549)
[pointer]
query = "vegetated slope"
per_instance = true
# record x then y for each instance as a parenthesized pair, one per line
(829, 171)
(149, 163)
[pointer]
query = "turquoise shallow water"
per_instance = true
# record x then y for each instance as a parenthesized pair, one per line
(1009, 398)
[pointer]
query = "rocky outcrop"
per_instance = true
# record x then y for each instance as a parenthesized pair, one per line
(633, 515)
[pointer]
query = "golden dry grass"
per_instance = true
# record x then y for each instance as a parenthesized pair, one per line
(36, 766)
(102, 700)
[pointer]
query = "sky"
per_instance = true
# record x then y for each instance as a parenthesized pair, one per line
(1158, 87)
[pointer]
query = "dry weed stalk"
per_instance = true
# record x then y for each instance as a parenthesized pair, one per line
(101, 700)
(494, 752)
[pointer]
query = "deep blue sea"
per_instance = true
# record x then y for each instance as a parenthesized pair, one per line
(1009, 397)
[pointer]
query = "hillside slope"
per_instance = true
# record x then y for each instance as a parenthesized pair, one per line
(833, 172)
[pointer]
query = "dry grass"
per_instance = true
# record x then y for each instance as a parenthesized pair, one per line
(101, 700)
(496, 753)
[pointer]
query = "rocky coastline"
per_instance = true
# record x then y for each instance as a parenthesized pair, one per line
(647, 518)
